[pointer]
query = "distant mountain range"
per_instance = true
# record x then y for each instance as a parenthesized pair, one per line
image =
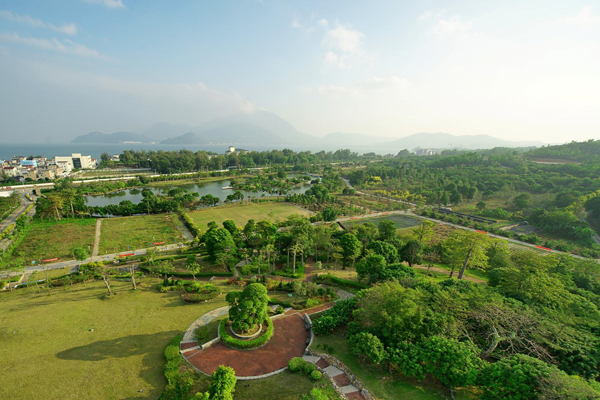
(266, 128)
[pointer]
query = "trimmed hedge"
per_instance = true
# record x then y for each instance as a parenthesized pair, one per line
(187, 274)
(316, 375)
(299, 272)
(245, 344)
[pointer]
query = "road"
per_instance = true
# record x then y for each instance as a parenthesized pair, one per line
(12, 218)
(436, 221)
(27, 187)
(74, 263)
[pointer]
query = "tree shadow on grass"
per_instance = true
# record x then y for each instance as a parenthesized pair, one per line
(148, 346)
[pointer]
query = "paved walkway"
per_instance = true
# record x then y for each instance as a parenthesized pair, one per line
(97, 237)
(289, 340)
(341, 380)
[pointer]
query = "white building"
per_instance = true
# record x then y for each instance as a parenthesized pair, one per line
(76, 160)
(230, 151)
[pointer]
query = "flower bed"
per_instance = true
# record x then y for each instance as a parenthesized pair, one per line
(245, 344)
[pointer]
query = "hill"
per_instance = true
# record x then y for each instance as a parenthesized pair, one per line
(110, 138)
(351, 139)
(234, 133)
(575, 151)
(442, 140)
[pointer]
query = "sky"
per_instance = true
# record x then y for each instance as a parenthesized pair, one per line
(518, 70)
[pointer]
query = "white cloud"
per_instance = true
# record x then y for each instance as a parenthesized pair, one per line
(323, 22)
(297, 25)
(108, 3)
(345, 39)
(376, 83)
(452, 26)
(426, 16)
(333, 59)
(68, 29)
(66, 46)
(584, 19)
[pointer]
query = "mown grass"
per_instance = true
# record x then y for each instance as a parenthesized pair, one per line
(53, 239)
(75, 344)
(137, 232)
(379, 381)
(240, 214)
(283, 386)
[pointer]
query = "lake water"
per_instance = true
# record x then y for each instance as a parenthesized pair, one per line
(135, 195)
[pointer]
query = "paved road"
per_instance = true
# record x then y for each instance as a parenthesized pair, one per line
(12, 218)
(74, 263)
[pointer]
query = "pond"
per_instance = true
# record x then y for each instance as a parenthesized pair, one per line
(215, 188)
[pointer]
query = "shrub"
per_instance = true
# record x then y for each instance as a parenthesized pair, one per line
(308, 368)
(279, 310)
(245, 344)
(316, 375)
(2, 284)
(171, 352)
(296, 364)
(312, 303)
(338, 315)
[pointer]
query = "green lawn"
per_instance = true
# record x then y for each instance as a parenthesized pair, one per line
(75, 344)
(273, 211)
(52, 239)
(137, 232)
(205, 265)
(283, 386)
(401, 221)
(382, 384)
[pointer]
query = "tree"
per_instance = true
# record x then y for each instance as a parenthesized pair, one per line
(248, 307)
(466, 248)
(387, 250)
(522, 201)
(104, 157)
(513, 378)
(371, 267)
(132, 272)
(80, 253)
(387, 230)
(218, 240)
(411, 252)
(329, 214)
(222, 385)
(106, 279)
(423, 232)
(481, 206)
(351, 247)
(194, 268)
(369, 346)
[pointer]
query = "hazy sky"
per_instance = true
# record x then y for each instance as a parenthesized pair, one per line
(512, 69)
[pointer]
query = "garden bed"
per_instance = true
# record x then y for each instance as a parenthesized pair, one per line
(242, 344)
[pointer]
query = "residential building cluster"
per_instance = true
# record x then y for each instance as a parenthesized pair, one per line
(22, 169)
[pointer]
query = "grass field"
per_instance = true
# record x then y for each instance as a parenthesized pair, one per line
(75, 344)
(205, 265)
(52, 239)
(401, 221)
(283, 386)
(137, 232)
(380, 382)
(273, 211)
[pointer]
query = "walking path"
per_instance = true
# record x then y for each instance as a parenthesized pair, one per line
(343, 380)
(97, 237)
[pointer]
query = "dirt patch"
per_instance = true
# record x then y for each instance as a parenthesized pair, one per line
(288, 341)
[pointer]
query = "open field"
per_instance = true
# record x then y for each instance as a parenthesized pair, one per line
(380, 382)
(273, 211)
(401, 221)
(137, 232)
(77, 344)
(54, 239)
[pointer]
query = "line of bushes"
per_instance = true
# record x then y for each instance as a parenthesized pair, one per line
(190, 224)
(245, 344)
(334, 280)
(7, 231)
(298, 364)
(144, 267)
(288, 272)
